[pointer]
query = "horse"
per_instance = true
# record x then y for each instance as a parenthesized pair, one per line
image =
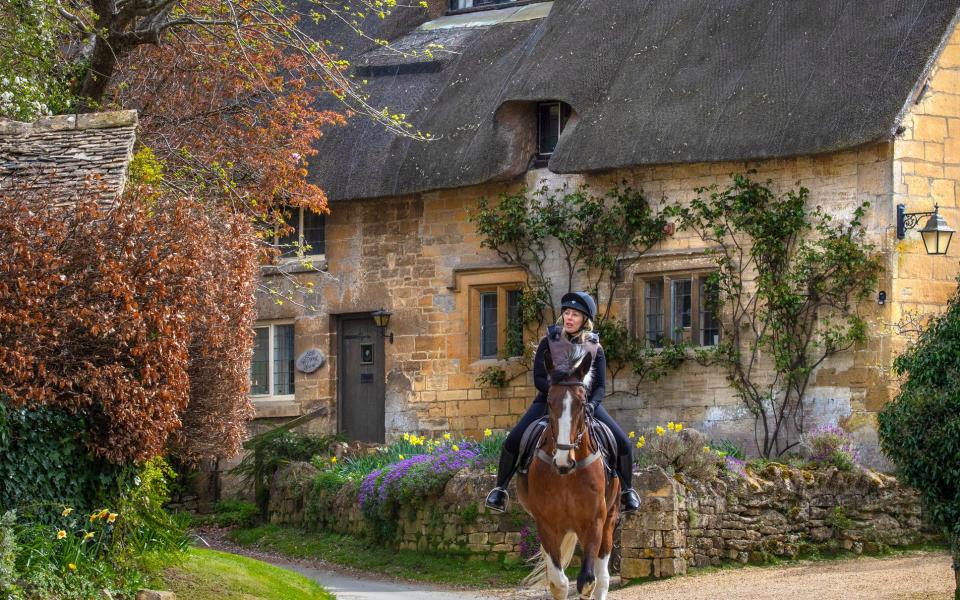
(566, 490)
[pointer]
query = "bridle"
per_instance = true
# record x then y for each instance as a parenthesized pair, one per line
(577, 464)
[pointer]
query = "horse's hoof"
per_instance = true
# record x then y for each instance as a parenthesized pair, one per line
(587, 592)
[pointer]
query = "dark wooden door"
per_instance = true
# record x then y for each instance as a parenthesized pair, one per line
(362, 380)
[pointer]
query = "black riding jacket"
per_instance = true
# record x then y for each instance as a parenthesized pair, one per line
(541, 378)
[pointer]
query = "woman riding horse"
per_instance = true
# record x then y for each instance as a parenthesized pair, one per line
(578, 313)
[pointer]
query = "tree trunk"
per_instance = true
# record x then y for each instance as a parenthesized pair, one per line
(93, 87)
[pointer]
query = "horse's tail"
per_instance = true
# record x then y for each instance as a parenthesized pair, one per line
(539, 573)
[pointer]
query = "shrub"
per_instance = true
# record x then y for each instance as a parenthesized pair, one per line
(8, 553)
(920, 429)
(273, 450)
(831, 445)
(44, 461)
(409, 482)
(679, 451)
(101, 306)
(82, 552)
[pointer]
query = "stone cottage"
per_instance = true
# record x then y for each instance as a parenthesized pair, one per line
(854, 100)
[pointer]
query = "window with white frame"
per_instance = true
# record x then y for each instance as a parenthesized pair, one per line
(271, 370)
(680, 307)
(307, 237)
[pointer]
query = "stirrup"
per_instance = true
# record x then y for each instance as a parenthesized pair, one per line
(497, 499)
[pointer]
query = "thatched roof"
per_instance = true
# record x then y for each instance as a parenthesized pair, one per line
(69, 155)
(649, 81)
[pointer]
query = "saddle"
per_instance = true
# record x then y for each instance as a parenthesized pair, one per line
(600, 434)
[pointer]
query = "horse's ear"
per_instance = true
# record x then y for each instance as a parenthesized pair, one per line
(548, 361)
(583, 367)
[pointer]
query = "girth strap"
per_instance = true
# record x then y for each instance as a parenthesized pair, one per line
(577, 464)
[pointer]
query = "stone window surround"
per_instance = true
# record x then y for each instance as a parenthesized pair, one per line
(271, 401)
(667, 266)
(473, 281)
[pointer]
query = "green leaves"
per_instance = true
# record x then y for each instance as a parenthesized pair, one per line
(44, 460)
(920, 429)
(789, 280)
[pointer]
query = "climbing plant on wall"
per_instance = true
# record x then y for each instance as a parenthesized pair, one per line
(592, 235)
(789, 279)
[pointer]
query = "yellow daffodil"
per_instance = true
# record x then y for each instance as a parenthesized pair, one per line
(487, 432)
(67, 511)
(103, 513)
(455, 448)
(406, 437)
(94, 517)
(61, 534)
(401, 457)
(660, 430)
(641, 441)
(112, 517)
(639, 445)
(678, 428)
(88, 536)
(671, 426)
(333, 459)
(446, 436)
(632, 434)
(706, 448)
(72, 567)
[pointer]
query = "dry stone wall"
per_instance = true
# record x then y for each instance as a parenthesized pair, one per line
(776, 512)
(455, 521)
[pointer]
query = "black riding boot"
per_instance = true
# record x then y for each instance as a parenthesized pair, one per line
(497, 498)
(629, 499)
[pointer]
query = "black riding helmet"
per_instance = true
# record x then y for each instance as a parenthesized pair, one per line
(581, 301)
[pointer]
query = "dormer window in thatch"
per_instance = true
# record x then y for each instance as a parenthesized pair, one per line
(552, 117)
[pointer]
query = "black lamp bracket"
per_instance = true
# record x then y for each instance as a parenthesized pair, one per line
(906, 221)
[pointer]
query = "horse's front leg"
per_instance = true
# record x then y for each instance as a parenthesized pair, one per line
(557, 580)
(606, 542)
(590, 539)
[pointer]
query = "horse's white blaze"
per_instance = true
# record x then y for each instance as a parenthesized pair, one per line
(565, 434)
(602, 572)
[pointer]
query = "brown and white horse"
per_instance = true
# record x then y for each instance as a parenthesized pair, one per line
(566, 489)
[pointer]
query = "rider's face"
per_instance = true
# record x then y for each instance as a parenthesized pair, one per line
(572, 320)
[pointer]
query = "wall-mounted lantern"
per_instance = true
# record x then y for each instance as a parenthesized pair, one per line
(382, 319)
(936, 233)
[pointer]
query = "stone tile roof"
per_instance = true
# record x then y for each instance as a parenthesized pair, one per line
(67, 154)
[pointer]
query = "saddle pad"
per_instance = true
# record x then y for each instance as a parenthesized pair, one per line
(530, 441)
(603, 438)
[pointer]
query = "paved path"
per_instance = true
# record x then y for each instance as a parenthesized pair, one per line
(921, 576)
(347, 587)
(916, 576)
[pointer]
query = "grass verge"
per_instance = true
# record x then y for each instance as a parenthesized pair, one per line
(212, 575)
(444, 568)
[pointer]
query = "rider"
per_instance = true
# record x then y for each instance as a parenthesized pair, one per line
(578, 312)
